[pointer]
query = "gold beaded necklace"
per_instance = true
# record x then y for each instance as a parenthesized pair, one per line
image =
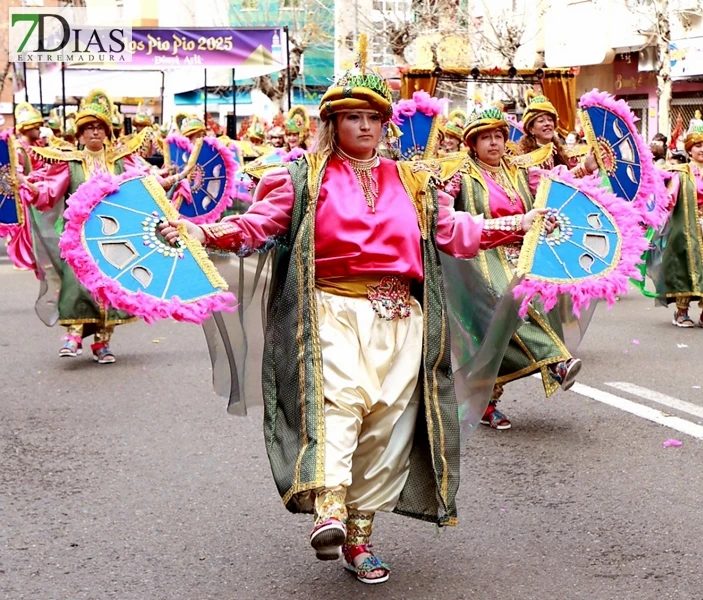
(96, 162)
(498, 175)
(364, 175)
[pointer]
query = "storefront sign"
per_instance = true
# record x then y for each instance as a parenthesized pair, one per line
(687, 57)
(168, 48)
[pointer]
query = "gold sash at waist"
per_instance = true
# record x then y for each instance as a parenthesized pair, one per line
(356, 286)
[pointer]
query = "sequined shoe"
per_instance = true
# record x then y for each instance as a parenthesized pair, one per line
(565, 372)
(102, 353)
(495, 419)
(370, 564)
(327, 539)
(72, 347)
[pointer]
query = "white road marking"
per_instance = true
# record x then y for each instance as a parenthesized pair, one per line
(651, 414)
(671, 402)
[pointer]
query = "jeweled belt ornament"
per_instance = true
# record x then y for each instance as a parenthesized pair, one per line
(390, 298)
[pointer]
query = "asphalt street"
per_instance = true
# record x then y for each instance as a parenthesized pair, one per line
(131, 482)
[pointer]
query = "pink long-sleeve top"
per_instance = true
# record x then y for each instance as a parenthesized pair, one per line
(675, 185)
(350, 239)
(53, 180)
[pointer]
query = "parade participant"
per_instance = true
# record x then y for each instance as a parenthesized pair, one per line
(356, 354)
(297, 127)
(28, 122)
(141, 119)
(682, 262)
(57, 180)
(277, 137)
(539, 122)
(493, 188)
(191, 126)
(54, 123)
(658, 148)
(454, 131)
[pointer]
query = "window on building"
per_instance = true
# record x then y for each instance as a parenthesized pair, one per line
(250, 4)
(290, 4)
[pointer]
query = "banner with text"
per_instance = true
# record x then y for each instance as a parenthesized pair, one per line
(262, 50)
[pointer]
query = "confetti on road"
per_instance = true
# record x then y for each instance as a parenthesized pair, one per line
(681, 345)
(672, 444)
(635, 342)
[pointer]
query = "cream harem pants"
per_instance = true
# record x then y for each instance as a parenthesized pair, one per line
(371, 370)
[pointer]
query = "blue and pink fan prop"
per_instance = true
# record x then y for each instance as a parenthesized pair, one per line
(592, 253)
(11, 213)
(210, 184)
(417, 120)
(111, 242)
(624, 159)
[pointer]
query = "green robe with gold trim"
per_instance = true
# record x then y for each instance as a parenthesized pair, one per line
(294, 424)
(76, 305)
(682, 258)
(538, 343)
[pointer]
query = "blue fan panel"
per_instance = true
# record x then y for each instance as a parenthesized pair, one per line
(586, 242)
(625, 176)
(208, 183)
(8, 204)
(416, 134)
(129, 251)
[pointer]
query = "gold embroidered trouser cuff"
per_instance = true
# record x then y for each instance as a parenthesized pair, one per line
(359, 528)
(683, 302)
(76, 330)
(330, 504)
(103, 334)
(497, 393)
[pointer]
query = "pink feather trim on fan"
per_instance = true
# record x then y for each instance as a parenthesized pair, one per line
(108, 291)
(421, 101)
(610, 285)
(652, 178)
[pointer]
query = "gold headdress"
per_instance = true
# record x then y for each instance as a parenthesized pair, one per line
(298, 120)
(489, 119)
(117, 118)
(70, 125)
(54, 121)
(189, 124)
(537, 104)
(142, 117)
(27, 117)
(97, 106)
(455, 124)
(693, 137)
(257, 129)
(359, 88)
